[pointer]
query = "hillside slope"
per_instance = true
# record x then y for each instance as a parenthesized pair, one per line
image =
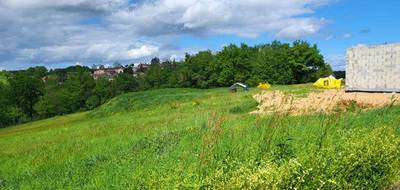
(3, 78)
(186, 138)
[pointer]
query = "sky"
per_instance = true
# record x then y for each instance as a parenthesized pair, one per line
(63, 33)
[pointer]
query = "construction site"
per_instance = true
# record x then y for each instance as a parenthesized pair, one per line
(372, 81)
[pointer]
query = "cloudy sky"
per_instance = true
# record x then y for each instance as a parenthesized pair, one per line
(68, 32)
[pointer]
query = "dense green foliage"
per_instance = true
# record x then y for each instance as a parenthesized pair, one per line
(37, 93)
(18, 95)
(340, 74)
(3, 77)
(202, 139)
(26, 96)
(25, 92)
(276, 63)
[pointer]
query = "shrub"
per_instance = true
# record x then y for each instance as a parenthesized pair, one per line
(196, 102)
(247, 106)
(268, 175)
(358, 161)
(361, 161)
(236, 109)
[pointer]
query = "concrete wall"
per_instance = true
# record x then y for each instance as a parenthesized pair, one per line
(373, 68)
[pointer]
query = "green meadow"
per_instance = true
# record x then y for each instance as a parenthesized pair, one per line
(3, 78)
(202, 139)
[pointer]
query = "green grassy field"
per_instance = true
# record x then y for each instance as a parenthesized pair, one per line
(202, 139)
(3, 79)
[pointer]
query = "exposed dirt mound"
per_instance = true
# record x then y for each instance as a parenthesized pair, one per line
(326, 101)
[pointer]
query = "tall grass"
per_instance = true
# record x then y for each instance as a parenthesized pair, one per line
(202, 139)
(3, 78)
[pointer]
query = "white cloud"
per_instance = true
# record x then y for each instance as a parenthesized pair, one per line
(285, 18)
(338, 62)
(329, 37)
(63, 5)
(107, 52)
(91, 31)
(300, 28)
(133, 53)
(347, 35)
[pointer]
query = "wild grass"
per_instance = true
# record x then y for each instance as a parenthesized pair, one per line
(3, 78)
(202, 139)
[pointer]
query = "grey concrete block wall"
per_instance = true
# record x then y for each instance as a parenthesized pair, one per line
(373, 68)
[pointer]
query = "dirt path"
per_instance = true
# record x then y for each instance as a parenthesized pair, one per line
(326, 101)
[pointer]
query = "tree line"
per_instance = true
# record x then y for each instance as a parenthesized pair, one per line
(25, 96)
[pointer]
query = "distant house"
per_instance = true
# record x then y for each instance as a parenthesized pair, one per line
(51, 77)
(235, 86)
(45, 78)
(140, 69)
(108, 73)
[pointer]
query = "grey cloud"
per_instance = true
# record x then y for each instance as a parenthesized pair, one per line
(286, 18)
(65, 5)
(50, 32)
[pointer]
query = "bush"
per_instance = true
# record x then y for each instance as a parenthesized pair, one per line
(244, 107)
(359, 161)
(268, 175)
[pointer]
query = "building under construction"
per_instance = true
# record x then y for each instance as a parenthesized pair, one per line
(373, 68)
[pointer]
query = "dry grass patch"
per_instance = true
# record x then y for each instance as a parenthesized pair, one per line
(326, 102)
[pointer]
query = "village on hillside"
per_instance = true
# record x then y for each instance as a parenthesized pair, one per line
(103, 72)
(111, 72)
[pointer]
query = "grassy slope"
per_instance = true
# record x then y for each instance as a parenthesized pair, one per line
(171, 138)
(3, 79)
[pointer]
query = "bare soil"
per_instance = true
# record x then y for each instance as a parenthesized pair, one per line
(326, 101)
